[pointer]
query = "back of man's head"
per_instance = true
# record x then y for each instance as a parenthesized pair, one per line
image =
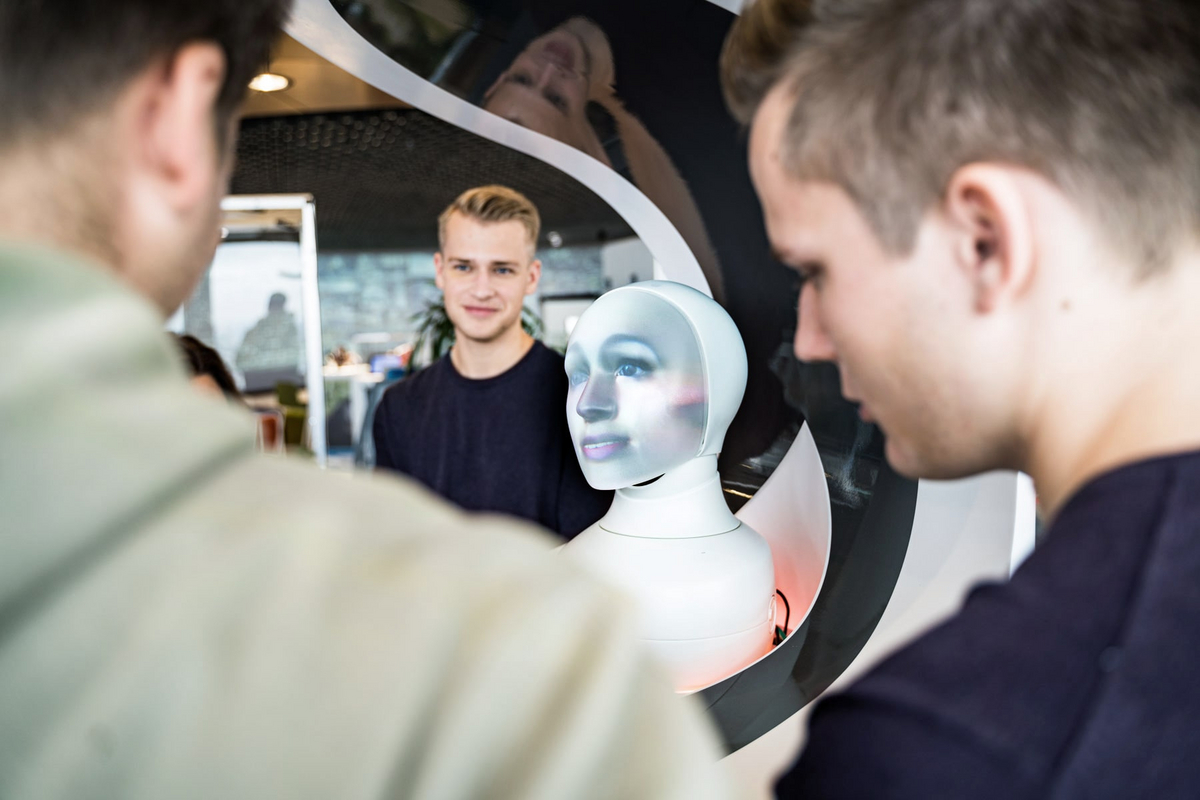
(1099, 96)
(493, 203)
(115, 135)
(61, 60)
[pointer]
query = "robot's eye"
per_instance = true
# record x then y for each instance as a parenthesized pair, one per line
(631, 370)
(577, 378)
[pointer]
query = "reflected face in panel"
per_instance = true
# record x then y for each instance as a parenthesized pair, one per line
(636, 401)
(546, 90)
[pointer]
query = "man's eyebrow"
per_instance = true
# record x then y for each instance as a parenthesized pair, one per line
(793, 258)
(473, 262)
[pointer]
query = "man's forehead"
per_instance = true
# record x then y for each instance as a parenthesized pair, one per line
(808, 218)
(799, 214)
(766, 129)
(777, 190)
(796, 214)
(467, 228)
(469, 239)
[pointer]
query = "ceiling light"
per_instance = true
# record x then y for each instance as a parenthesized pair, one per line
(270, 82)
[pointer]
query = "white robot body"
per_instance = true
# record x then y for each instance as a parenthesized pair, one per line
(657, 371)
(706, 603)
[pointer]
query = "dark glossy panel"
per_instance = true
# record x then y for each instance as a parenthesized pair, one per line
(650, 82)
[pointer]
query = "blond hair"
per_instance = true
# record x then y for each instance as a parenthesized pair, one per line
(493, 204)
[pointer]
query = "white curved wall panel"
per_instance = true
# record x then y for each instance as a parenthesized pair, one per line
(732, 6)
(792, 512)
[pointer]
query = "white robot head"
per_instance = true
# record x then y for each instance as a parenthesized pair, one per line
(657, 371)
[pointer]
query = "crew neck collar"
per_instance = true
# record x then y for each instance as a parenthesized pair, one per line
(1124, 477)
(482, 383)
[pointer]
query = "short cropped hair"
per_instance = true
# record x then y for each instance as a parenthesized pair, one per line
(1102, 97)
(61, 60)
(756, 50)
(493, 204)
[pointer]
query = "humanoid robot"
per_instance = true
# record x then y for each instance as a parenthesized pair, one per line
(657, 371)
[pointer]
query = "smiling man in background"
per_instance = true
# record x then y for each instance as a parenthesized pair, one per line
(995, 208)
(180, 618)
(486, 425)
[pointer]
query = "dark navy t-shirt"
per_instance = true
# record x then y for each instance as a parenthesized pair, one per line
(498, 444)
(1080, 678)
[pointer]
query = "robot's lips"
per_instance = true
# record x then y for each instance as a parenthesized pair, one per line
(600, 448)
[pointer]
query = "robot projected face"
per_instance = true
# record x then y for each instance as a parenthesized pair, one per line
(637, 403)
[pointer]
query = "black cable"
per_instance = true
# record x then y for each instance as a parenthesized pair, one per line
(781, 633)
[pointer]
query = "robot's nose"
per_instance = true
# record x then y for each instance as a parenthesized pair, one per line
(598, 401)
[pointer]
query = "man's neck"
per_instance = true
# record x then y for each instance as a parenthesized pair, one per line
(49, 197)
(1131, 394)
(479, 360)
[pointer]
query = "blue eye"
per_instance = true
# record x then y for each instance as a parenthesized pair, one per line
(631, 371)
(577, 378)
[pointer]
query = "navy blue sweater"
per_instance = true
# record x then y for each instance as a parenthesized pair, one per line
(499, 444)
(1077, 679)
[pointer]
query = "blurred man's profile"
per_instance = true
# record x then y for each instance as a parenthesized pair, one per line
(994, 210)
(180, 618)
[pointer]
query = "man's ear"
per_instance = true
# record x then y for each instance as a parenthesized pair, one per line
(174, 107)
(439, 265)
(535, 275)
(991, 226)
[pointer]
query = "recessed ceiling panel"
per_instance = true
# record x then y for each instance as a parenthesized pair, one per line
(380, 178)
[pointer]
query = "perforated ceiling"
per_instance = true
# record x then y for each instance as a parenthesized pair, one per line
(380, 178)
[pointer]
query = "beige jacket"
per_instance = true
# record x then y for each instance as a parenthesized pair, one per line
(182, 618)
